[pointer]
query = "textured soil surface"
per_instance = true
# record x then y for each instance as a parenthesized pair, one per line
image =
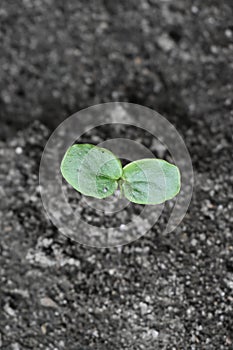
(164, 291)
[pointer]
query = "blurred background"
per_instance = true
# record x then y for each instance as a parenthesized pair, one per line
(59, 57)
(161, 292)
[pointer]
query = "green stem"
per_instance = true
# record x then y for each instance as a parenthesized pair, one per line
(120, 182)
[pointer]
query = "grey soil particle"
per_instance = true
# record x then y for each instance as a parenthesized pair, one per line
(48, 302)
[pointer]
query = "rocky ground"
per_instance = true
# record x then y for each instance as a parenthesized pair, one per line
(164, 291)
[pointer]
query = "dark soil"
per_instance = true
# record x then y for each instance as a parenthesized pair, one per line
(164, 291)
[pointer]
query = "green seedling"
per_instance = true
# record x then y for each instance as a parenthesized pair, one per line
(97, 172)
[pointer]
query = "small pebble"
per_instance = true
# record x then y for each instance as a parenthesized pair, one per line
(18, 150)
(214, 49)
(166, 43)
(144, 308)
(228, 33)
(48, 302)
(194, 9)
(154, 333)
(194, 242)
(43, 329)
(15, 346)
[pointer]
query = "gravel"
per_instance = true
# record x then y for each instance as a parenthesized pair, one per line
(164, 291)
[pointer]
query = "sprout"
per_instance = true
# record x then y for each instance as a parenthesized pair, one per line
(97, 172)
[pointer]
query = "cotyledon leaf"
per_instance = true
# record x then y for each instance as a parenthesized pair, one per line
(150, 181)
(91, 170)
